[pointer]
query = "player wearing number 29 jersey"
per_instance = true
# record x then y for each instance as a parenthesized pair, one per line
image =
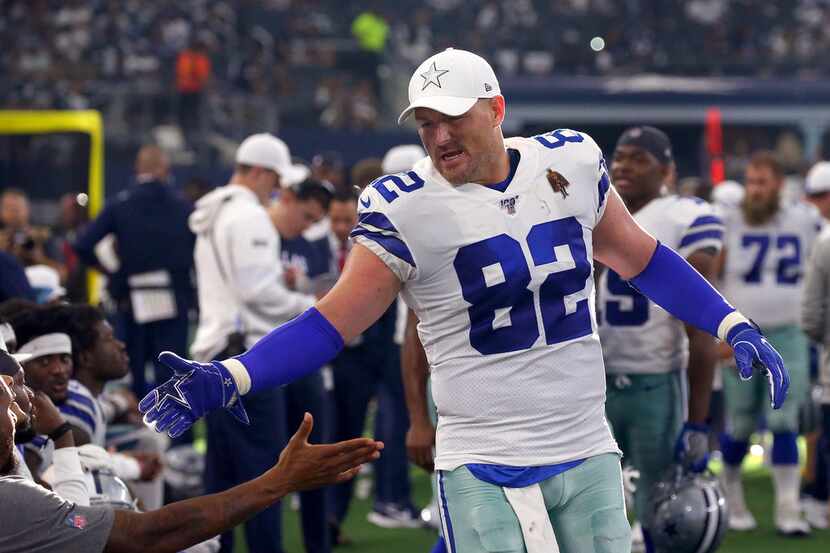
(500, 278)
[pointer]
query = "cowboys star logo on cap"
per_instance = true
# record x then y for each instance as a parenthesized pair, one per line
(433, 76)
(429, 87)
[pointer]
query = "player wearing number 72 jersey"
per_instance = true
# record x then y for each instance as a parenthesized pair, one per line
(491, 242)
(766, 248)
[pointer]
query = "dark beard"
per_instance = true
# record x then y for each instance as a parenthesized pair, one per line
(10, 466)
(25, 435)
(757, 214)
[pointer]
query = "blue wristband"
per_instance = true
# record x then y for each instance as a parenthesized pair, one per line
(669, 281)
(291, 351)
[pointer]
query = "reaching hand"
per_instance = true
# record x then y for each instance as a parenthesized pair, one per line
(195, 389)
(753, 351)
(692, 447)
(303, 466)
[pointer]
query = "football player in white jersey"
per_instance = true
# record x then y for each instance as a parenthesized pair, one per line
(646, 350)
(766, 247)
(491, 242)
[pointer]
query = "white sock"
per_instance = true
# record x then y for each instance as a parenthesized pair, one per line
(787, 482)
(731, 475)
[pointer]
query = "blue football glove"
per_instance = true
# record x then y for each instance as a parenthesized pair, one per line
(195, 389)
(752, 351)
(691, 450)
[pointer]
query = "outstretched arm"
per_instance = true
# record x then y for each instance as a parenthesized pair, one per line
(670, 282)
(363, 293)
(180, 525)
(365, 290)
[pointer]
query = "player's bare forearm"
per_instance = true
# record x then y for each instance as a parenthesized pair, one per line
(703, 356)
(180, 525)
(620, 242)
(415, 371)
(703, 353)
(362, 294)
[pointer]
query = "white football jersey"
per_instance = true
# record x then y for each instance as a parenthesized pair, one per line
(764, 271)
(638, 336)
(83, 410)
(501, 278)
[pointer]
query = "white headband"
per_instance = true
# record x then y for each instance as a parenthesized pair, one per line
(48, 344)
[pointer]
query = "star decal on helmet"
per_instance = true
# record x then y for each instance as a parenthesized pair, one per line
(433, 76)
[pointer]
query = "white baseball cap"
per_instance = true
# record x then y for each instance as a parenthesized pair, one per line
(451, 82)
(402, 158)
(728, 194)
(267, 151)
(46, 283)
(818, 178)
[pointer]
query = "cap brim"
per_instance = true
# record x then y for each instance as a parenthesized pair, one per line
(293, 174)
(21, 357)
(448, 105)
(57, 293)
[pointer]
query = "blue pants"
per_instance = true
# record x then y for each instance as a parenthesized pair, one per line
(145, 341)
(309, 394)
(360, 373)
(237, 453)
(391, 425)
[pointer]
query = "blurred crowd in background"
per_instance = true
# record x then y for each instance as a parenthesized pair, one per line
(231, 60)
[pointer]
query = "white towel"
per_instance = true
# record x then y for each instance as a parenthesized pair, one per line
(529, 506)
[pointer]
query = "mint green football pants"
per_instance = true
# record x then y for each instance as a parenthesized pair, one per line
(646, 413)
(585, 505)
(747, 401)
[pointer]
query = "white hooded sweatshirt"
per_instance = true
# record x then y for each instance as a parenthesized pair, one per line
(238, 271)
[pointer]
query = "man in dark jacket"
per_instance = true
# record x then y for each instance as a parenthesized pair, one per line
(13, 281)
(150, 281)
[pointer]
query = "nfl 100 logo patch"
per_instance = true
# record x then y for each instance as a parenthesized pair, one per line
(509, 204)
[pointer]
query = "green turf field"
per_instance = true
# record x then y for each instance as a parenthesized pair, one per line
(368, 538)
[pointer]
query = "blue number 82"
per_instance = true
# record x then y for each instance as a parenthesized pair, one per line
(494, 277)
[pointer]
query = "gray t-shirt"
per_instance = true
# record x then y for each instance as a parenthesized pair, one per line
(35, 520)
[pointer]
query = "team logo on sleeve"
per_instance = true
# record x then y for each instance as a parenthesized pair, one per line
(76, 521)
(558, 183)
(433, 76)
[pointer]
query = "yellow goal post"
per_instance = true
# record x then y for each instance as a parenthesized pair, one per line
(57, 121)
